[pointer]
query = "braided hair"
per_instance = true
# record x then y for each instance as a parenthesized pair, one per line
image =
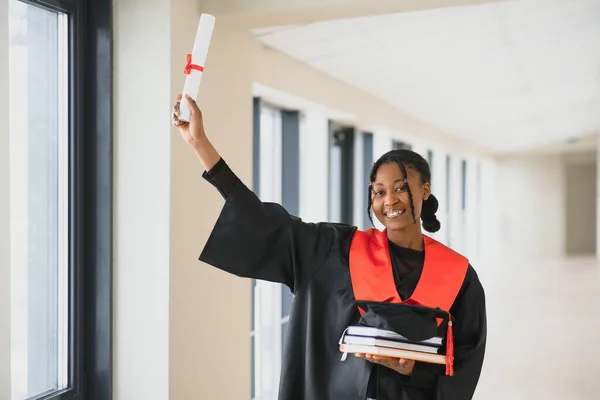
(404, 158)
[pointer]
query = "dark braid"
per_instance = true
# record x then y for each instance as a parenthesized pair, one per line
(403, 158)
(369, 200)
(410, 198)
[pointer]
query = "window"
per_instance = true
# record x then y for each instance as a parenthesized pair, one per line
(448, 182)
(367, 166)
(397, 145)
(464, 184)
(430, 158)
(430, 162)
(341, 173)
(448, 199)
(39, 199)
(335, 173)
(266, 296)
(290, 172)
(479, 208)
(276, 170)
(270, 155)
(60, 199)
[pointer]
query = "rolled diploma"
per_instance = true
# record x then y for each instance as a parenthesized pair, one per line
(199, 53)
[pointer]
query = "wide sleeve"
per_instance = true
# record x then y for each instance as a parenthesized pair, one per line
(261, 240)
(470, 334)
(222, 178)
(424, 375)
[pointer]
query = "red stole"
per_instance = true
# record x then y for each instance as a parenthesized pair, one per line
(372, 277)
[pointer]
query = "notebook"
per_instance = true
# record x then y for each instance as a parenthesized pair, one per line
(369, 340)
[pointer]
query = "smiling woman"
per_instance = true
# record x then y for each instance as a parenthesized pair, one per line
(400, 194)
(334, 269)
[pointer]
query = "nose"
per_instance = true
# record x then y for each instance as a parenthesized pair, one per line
(391, 199)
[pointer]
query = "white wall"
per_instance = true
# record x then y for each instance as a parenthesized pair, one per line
(581, 205)
(531, 204)
(5, 359)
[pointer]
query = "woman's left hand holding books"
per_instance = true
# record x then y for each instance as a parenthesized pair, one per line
(400, 365)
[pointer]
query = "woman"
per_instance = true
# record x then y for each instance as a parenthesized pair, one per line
(325, 264)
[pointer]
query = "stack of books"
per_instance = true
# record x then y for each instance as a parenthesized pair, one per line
(369, 340)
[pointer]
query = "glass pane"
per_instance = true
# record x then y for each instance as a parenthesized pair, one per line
(464, 184)
(448, 182)
(367, 165)
(266, 300)
(252, 369)
(270, 155)
(335, 182)
(286, 301)
(252, 300)
(267, 345)
(430, 162)
(38, 199)
(284, 333)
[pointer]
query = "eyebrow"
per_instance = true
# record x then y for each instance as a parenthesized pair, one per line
(396, 181)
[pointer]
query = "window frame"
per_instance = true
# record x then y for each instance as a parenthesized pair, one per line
(368, 160)
(341, 198)
(90, 197)
(464, 185)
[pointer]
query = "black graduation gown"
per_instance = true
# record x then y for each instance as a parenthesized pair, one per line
(261, 240)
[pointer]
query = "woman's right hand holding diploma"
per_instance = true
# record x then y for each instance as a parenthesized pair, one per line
(194, 135)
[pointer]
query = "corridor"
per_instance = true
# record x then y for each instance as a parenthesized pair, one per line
(543, 327)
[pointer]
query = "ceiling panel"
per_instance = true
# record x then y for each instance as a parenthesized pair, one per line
(506, 75)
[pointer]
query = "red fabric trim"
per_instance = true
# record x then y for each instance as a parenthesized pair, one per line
(372, 277)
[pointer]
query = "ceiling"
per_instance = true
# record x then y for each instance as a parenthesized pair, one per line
(509, 76)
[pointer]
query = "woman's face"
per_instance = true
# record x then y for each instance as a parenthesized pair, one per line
(390, 199)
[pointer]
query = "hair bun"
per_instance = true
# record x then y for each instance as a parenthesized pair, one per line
(430, 221)
(432, 226)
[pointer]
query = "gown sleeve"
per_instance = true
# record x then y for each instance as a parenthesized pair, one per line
(470, 334)
(261, 240)
(222, 178)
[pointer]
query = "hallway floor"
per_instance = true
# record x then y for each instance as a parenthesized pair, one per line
(543, 330)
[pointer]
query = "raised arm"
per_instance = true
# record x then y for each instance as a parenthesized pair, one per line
(256, 239)
(194, 135)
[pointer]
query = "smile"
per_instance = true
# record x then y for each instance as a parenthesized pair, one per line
(393, 213)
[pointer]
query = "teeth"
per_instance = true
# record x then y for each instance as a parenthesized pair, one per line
(394, 213)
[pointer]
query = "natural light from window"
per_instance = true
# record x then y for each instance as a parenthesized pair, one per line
(39, 225)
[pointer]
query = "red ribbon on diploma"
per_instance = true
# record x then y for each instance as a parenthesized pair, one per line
(189, 66)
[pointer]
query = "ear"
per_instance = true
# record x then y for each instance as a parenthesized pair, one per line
(426, 191)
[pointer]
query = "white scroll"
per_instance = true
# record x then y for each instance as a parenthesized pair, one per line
(194, 67)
